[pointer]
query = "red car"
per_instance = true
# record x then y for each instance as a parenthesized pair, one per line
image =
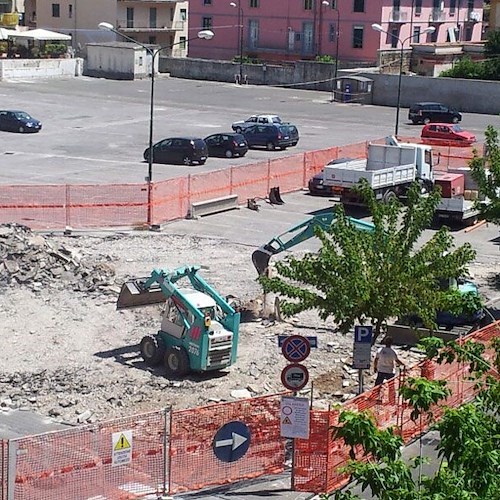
(447, 132)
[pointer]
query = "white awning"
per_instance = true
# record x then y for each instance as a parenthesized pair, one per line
(38, 34)
(5, 33)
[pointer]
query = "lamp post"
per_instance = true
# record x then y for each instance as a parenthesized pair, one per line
(240, 41)
(204, 34)
(337, 34)
(377, 27)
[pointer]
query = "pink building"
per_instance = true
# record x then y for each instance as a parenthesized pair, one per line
(279, 30)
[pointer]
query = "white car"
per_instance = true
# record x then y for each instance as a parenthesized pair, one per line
(243, 124)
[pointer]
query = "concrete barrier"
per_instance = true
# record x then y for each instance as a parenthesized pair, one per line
(212, 206)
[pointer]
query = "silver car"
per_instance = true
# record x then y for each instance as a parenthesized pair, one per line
(261, 119)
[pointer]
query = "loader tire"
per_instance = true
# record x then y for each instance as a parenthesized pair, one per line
(176, 362)
(152, 350)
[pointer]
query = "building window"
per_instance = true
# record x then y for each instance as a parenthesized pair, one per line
(359, 6)
(70, 11)
(254, 4)
(152, 17)
(207, 2)
(416, 34)
(396, 4)
(394, 37)
(183, 14)
(56, 10)
(332, 33)
(470, 5)
(357, 37)
(152, 40)
(434, 36)
(182, 42)
(468, 33)
(453, 6)
(253, 29)
(206, 23)
(418, 7)
(308, 4)
(130, 17)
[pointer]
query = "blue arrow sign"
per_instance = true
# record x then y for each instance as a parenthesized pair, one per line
(231, 441)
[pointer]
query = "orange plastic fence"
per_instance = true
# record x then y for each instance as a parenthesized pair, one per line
(388, 409)
(77, 463)
(193, 464)
(86, 206)
(3, 468)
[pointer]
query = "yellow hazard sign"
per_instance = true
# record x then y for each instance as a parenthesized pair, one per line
(287, 421)
(122, 443)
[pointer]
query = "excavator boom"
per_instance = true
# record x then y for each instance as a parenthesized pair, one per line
(297, 234)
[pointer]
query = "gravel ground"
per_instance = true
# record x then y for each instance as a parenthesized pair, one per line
(69, 354)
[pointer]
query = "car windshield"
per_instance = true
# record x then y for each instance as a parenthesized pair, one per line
(238, 138)
(276, 119)
(21, 115)
(457, 128)
(199, 143)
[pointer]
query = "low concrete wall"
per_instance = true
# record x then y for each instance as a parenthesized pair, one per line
(471, 96)
(12, 69)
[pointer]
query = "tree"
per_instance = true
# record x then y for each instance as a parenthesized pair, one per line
(361, 276)
(485, 171)
(469, 444)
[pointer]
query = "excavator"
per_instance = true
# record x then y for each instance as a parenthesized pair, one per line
(199, 328)
(305, 230)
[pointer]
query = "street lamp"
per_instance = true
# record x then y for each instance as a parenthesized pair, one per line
(153, 52)
(377, 27)
(240, 42)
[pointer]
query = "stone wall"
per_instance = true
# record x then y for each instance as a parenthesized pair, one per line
(12, 69)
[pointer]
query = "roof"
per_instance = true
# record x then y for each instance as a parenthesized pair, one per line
(198, 299)
(38, 34)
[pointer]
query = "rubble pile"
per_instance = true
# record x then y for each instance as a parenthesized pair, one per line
(34, 261)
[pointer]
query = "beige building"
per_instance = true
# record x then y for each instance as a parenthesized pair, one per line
(160, 22)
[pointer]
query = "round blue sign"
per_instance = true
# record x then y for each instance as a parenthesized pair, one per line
(231, 441)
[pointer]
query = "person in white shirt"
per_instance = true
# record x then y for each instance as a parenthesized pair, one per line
(385, 361)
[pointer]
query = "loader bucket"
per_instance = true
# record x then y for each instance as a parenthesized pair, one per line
(133, 294)
(261, 260)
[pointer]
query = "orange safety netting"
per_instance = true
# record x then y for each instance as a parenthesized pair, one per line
(4, 460)
(78, 463)
(193, 462)
(86, 206)
(388, 409)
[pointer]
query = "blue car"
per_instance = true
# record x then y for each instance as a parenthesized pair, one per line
(18, 121)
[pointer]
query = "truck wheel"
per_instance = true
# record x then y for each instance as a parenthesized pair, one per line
(176, 362)
(152, 350)
(389, 196)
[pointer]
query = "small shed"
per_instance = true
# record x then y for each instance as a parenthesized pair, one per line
(354, 89)
(119, 60)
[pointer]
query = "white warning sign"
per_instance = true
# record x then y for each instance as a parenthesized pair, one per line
(122, 448)
(294, 417)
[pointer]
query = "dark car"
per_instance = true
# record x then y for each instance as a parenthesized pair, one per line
(184, 150)
(270, 136)
(292, 131)
(18, 121)
(427, 112)
(226, 145)
(316, 186)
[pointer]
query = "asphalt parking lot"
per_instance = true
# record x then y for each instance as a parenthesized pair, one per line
(95, 130)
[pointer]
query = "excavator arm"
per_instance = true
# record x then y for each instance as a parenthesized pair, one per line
(297, 234)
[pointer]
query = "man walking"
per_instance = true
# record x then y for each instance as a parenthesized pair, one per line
(385, 361)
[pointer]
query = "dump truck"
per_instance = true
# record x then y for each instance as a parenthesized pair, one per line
(199, 328)
(390, 170)
(305, 230)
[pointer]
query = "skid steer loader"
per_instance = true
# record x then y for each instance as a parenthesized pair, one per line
(199, 329)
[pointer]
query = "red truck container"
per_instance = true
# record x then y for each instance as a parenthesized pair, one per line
(451, 184)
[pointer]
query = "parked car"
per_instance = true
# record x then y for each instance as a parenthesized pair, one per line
(243, 124)
(315, 183)
(184, 150)
(18, 121)
(447, 132)
(226, 145)
(269, 136)
(292, 131)
(427, 112)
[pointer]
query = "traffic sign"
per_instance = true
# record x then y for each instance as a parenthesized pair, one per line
(296, 348)
(363, 334)
(231, 441)
(295, 376)
(121, 448)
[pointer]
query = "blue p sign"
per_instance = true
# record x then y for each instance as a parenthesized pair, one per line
(363, 334)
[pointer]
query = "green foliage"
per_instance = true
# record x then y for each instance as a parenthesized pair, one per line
(247, 60)
(362, 276)
(469, 445)
(325, 58)
(54, 49)
(485, 171)
(465, 68)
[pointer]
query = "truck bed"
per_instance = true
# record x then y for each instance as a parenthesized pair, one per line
(456, 209)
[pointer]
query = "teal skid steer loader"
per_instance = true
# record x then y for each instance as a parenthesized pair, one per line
(199, 329)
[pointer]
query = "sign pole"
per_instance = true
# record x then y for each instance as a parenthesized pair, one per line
(361, 381)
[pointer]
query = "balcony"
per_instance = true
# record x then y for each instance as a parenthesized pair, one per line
(473, 16)
(131, 26)
(398, 16)
(437, 16)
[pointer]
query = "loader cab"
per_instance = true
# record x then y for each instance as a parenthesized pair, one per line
(424, 162)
